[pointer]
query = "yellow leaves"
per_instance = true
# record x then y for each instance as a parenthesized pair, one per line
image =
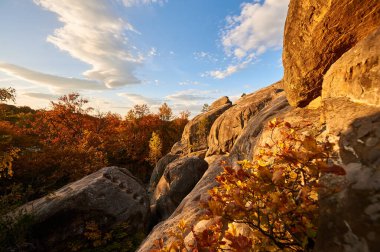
(6, 162)
(313, 195)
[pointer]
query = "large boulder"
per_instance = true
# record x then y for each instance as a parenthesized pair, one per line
(194, 136)
(220, 102)
(159, 170)
(231, 123)
(189, 209)
(317, 33)
(350, 219)
(108, 197)
(246, 142)
(178, 179)
(357, 73)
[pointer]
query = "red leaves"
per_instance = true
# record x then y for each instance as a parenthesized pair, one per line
(334, 169)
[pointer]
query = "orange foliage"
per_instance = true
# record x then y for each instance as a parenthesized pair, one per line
(67, 142)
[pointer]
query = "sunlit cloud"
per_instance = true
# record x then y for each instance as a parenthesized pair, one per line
(48, 79)
(257, 29)
(93, 33)
(140, 99)
(42, 96)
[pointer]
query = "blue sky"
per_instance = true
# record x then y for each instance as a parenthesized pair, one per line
(119, 53)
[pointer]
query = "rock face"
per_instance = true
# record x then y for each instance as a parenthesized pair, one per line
(220, 102)
(109, 196)
(246, 142)
(189, 209)
(317, 33)
(349, 219)
(231, 123)
(357, 73)
(178, 179)
(194, 137)
(159, 170)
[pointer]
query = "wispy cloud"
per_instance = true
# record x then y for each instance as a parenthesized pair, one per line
(93, 33)
(49, 80)
(189, 83)
(205, 56)
(130, 3)
(189, 96)
(140, 99)
(231, 69)
(42, 96)
(258, 28)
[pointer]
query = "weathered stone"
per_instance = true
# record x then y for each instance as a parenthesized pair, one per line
(108, 197)
(350, 219)
(194, 137)
(178, 180)
(220, 102)
(159, 170)
(317, 33)
(231, 123)
(245, 143)
(189, 209)
(357, 73)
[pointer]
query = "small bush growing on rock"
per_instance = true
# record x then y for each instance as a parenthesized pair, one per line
(276, 196)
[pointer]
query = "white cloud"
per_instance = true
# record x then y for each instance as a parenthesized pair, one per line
(140, 99)
(49, 80)
(205, 56)
(189, 83)
(258, 28)
(93, 33)
(42, 96)
(129, 3)
(189, 96)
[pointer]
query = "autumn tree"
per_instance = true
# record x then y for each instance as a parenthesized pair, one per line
(155, 148)
(184, 115)
(8, 153)
(165, 112)
(138, 112)
(7, 94)
(275, 196)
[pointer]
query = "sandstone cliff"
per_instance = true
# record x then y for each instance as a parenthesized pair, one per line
(331, 60)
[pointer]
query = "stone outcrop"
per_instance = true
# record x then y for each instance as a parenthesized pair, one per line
(178, 179)
(220, 102)
(189, 209)
(350, 219)
(246, 142)
(194, 137)
(356, 74)
(231, 123)
(159, 170)
(109, 197)
(317, 33)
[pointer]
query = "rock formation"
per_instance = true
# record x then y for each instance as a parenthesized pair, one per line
(317, 33)
(109, 197)
(231, 123)
(331, 61)
(194, 137)
(178, 179)
(356, 74)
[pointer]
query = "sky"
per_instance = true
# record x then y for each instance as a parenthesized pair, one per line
(118, 53)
